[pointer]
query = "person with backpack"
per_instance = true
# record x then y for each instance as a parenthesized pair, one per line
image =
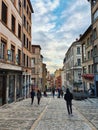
(68, 98)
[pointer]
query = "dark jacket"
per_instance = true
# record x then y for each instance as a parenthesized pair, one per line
(39, 95)
(68, 96)
(32, 93)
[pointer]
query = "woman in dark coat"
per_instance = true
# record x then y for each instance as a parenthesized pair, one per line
(68, 98)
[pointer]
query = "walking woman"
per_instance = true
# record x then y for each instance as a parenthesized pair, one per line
(68, 98)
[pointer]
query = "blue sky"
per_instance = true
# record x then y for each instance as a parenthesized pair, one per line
(55, 25)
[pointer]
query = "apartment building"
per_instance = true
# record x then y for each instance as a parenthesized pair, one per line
(15, 61)
(58, 78)
(44, 74)
(94, 20)
(73, 66)
(37, 62)
(87, 59)
(64, 74)
(10, 50)
(27, 49)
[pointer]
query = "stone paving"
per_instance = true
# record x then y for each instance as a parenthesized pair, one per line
(89, 108)
(55, 117)
(51, 114)
(20, 115)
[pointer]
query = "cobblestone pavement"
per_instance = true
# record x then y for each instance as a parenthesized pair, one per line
(88, 108)
(51, 114)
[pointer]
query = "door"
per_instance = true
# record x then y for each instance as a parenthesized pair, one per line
(97, 88)
(2, 89)
(1, 86)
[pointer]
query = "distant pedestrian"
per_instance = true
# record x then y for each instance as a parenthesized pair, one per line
(39, 95)
(32, 96)
(53, 91)
(68, 98)
(61, 93)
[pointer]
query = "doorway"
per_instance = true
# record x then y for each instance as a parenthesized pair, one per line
(2, 90)
(97, 88)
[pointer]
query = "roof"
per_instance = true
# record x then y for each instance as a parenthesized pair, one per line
(31, 6)
(86, 32)
(38, 46)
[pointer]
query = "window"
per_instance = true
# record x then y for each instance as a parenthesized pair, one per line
(24, 22)
(24, 39)
(13, 24)
(27, 43)
(24, 59)
(27, 61)
(88, 55)
(19, 4)
(79, 62)
(13, 1)
(96, 68)
(33, 50)
(78, 50)
(27, 10)
(2, 49)
(33, 70)
(84, 70)
(27, 26)
(33, 61)
(91, 53)
(19, 57)
(95, 15)
(95, 50)
(93, 2)
(90, 69)
(19, 31)
(94, 34)
(24, 3)
(88, 41)
(12, 53)
(4, 13)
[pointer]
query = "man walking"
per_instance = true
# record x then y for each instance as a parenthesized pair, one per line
(68, 98)
(32, 96)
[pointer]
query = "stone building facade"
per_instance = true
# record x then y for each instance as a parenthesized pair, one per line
(11, 49)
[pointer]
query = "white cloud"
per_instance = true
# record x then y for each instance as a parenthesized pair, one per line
(56, 33)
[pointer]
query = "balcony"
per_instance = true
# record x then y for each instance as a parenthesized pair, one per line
(88, 76)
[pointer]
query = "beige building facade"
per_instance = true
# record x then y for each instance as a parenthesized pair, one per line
(87, 60)
(12, 65)
(10, 51)
(37, 64)
(73, 65)
(27, 48)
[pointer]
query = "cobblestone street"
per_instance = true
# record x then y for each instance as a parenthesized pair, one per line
(51, 114)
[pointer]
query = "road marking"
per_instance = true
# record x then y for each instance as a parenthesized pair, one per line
(40, 116)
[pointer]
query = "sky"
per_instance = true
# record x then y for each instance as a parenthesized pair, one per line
(56, 24)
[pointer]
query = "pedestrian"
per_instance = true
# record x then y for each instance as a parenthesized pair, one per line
(68, 98)
(53, 91)
(59, 90)
(32, 96)
(62, 93)
(39, 95)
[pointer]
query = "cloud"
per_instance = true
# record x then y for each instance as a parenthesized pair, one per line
(55, 25)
